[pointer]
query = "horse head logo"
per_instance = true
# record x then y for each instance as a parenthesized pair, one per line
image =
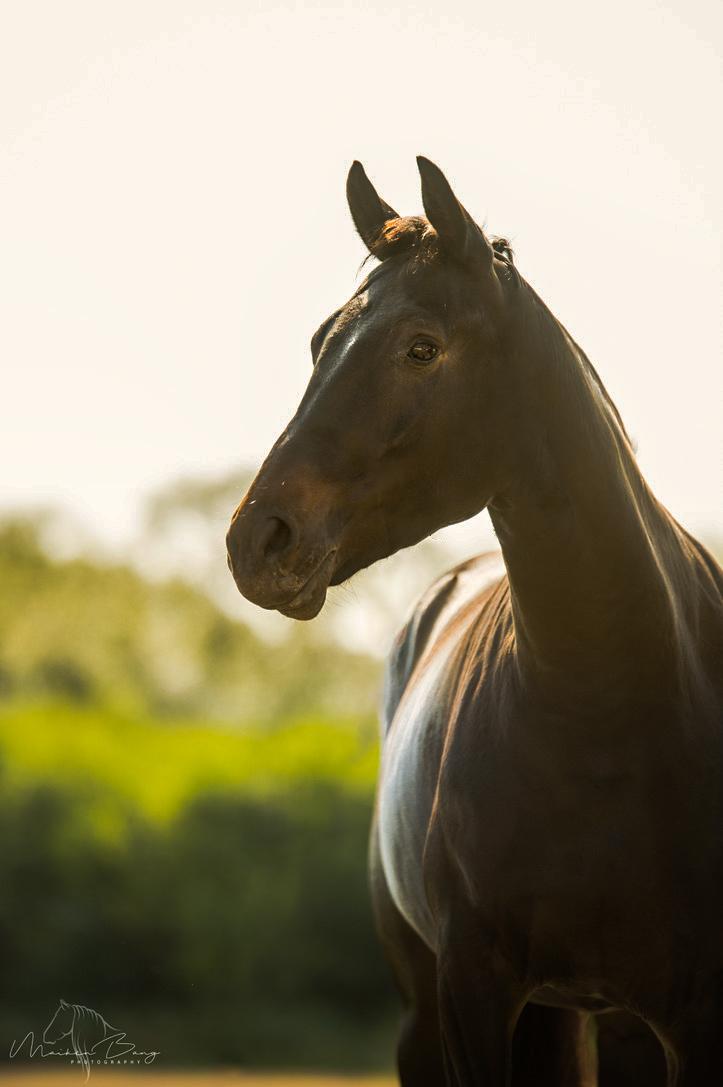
(83, 1028)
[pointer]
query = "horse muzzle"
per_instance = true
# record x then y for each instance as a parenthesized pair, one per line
(274, 563)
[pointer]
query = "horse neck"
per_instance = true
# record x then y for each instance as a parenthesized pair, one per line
(584, 540)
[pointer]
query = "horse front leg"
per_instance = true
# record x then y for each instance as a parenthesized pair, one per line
(629, 1053)
(554, 1047)
(419, 1049)
(479, 1003)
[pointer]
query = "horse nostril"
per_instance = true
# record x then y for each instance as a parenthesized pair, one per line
(276, 538)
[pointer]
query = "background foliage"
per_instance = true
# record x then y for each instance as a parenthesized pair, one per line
(183, 818)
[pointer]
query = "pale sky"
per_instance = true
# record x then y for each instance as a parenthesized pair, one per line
(173, 225)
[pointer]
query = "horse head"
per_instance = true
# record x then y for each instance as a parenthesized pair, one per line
(61, 1025)
(400, 428)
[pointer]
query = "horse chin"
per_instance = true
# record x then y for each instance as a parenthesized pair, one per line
(310, 599)
(304, 607)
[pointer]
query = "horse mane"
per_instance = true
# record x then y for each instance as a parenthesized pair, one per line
(540, 325)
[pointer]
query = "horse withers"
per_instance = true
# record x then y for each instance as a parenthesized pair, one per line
(547, 853)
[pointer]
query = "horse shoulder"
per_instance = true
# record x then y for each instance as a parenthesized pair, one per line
(419, 689)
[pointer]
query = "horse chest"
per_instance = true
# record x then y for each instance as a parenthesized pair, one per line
(408, 781)
(584, 859)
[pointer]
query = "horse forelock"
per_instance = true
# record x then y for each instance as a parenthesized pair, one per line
(414, 237)
(406, 236)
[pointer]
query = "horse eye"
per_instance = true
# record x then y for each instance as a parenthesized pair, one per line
(423, 351)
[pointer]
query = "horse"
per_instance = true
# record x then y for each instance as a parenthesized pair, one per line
(547, 849)
(84, 1028)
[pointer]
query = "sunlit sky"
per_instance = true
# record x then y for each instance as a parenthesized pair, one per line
(173, 222)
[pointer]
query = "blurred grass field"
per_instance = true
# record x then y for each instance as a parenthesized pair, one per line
(156, 771)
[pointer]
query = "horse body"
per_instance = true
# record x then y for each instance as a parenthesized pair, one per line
(529, 806)
(547, 849)
(556, 841)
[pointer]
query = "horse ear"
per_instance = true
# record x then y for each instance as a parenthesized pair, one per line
(62, 1003)
(367, 208)
(458, 233)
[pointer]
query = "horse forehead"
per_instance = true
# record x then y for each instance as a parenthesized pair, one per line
(387, 297)
(390, 298)
(400, 283)
(422, 286)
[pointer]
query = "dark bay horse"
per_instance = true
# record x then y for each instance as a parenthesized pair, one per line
(548, 844)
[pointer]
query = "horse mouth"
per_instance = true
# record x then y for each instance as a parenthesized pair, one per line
(308, 601)
(344, 572)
